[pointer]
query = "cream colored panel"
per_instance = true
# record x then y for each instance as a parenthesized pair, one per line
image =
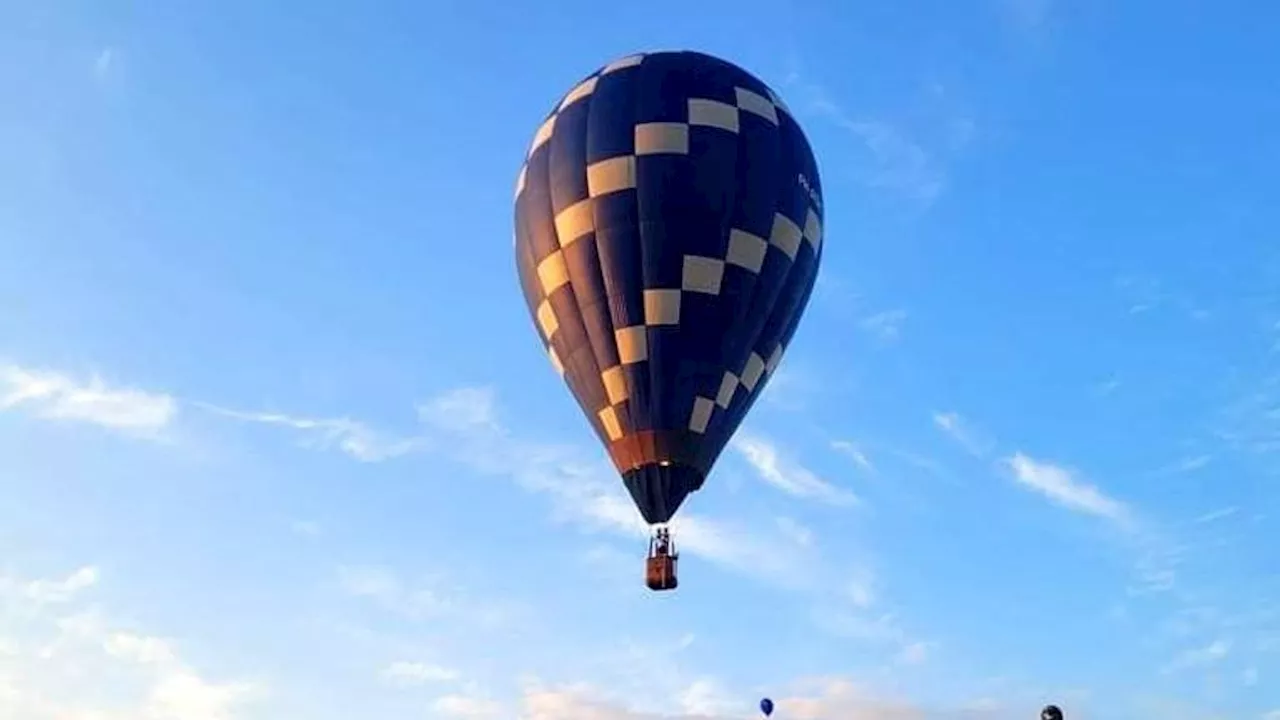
(633, 344)
(547, 319)
(701, 414)
(746, 250)
(774, 358)
(752, 372)
(520, 179)
(660, 138)
(758, 104)
(609, 419)
(611, 175)
(552, 272)
(728, 384)
(713, 113)
(785, 235)
(777, 102)
(661, 307)
(543, 134)
(573, 222)
(615, 384)
(555, 360)
(813, 229)
(702, 274)
(621, 63)
(584, 88)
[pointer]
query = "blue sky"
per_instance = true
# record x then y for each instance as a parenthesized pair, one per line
(277, 438)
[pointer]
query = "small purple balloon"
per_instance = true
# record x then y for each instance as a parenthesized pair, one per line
(766, 707)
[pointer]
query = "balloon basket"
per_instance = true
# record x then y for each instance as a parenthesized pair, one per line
(660, 573)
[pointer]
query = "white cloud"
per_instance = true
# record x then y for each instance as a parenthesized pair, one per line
(306, 528)
(1061, 486)
(789, 477)
(1027, 14)
(467, 707)
(1195, 462)
(1199, 657)
(54, 396)
(916, 653)
(103, 63)
(861, 589)
(887, 325)
(1214, 515)
(880, 628)
(855, 453)
(465, 408)
(889, 157)
(64, 665)
(351, 437)
(973, 440)
(416, 673)
(431, 600)
(51, 591)
(797, 532)
(706, 697)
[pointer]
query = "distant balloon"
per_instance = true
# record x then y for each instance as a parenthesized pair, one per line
(766, 707)
(668, 233)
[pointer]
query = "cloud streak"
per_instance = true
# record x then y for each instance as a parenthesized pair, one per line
(50, 395)
(350, 437)
(1061, 486)
(790, 477)
(973, 440)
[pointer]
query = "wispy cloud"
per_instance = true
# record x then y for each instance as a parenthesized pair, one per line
(897, 162)
(1062, 487)
(432, 600)
(861, 589)
(854, 452)
(417, 673)
(1215, 515)
(1199, 657)
(348, 436)
(73, 662)
(52, 395)
(51, 591)
(467, 707)
(1147, 294)
(1106, 388)
(1027, 14)
(916, 653)
(788, 476)
(306, 528)
(103, 63)
(886, 325)
(888, 157)
(1186, 465)
(969, 436)
(799, 533)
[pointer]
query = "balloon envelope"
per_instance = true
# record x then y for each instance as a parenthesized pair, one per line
(766, 707)
(668, 233)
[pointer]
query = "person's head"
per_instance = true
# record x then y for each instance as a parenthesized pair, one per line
(1051, 712)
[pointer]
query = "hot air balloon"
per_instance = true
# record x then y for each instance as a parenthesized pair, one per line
(766, 707)
(668, 233)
